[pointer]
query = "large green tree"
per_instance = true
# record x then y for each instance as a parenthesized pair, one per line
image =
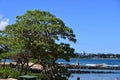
(40, 34)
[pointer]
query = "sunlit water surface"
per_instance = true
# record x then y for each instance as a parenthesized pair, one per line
(95, 76)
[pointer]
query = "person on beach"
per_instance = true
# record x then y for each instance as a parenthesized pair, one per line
(78, 78)
(72, 76)
(116, 79)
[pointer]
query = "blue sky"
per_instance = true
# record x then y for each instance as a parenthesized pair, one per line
(96, 23)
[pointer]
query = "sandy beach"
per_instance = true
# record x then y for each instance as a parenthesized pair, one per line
(9, 79)
(35, 66)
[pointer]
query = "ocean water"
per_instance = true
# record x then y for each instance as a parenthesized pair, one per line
(95, 76)
(108, 62)
(6, 60)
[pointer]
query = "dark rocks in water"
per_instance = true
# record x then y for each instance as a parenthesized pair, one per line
(90, 67)
(86, 72)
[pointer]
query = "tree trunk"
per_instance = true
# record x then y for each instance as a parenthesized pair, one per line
(52, 76)
(22, 67)
(27, 66)
(4, 63)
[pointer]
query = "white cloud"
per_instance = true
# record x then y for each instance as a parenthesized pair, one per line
(3, 22)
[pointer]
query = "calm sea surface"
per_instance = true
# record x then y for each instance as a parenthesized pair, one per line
(97, 76)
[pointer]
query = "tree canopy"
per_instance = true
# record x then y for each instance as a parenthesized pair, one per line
(38, 33)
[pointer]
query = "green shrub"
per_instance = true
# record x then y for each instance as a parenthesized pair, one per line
(8, 73)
